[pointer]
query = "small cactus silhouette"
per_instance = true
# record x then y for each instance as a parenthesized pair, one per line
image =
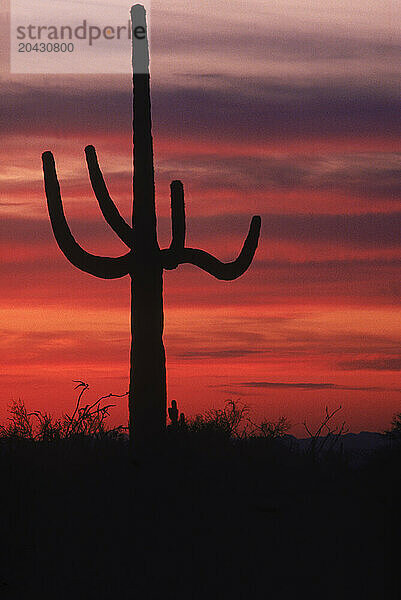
(173, 413)
(176, 422)
(145, 261)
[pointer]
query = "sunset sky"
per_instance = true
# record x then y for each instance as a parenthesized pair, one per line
(289, 109)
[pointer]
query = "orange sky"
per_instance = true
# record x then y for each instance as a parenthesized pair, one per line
(308, 138)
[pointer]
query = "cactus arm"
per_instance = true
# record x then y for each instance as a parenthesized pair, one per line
(171, 256)
(177, 216)
(107, 268)
(210, 264)
(107, 206)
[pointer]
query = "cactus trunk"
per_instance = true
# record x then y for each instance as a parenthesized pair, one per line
(147, 393)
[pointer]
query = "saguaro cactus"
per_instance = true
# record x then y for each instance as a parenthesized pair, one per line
(145, 261)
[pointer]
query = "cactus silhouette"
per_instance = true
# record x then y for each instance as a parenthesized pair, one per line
(145, 261)
(173, 413)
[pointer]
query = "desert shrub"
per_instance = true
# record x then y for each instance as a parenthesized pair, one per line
(326, 437)
(20, 425)
(394, 433)
(231, 426)
(228, 423)
(271, 430)
(89, 421)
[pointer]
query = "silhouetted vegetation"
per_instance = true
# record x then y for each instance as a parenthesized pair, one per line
(218, 509)
(326, 438)
(85, 421)
(394, 433)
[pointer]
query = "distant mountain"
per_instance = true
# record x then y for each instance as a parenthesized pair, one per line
(359, 446)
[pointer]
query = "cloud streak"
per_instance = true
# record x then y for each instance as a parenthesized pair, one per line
(271, 110)
(368, 230)
(372, 364)
(312, 386)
